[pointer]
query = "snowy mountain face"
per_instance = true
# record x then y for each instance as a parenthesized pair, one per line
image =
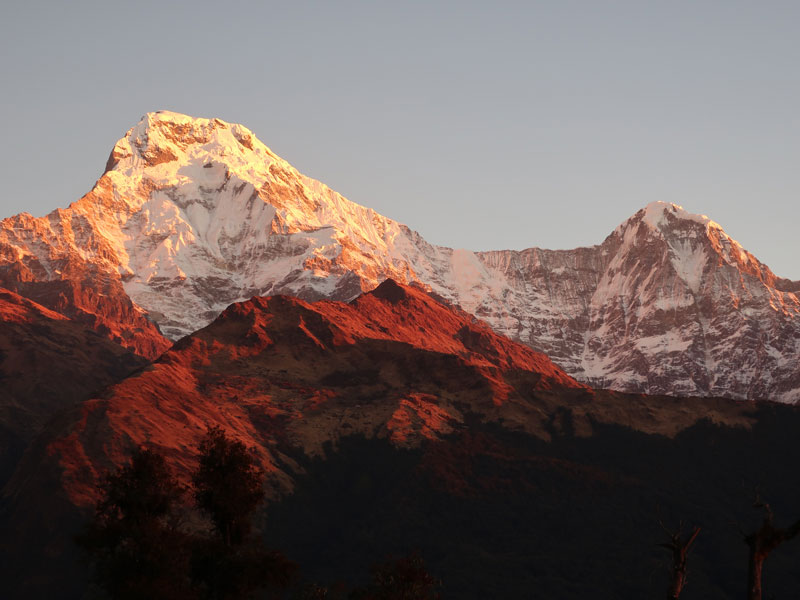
(668, 303)
(192, 215)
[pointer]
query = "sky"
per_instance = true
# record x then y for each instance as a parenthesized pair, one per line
(481, 125)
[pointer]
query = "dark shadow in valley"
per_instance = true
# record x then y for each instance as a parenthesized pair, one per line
(498, 514)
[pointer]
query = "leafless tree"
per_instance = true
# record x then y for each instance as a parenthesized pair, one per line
(761, 543)
(679, 547)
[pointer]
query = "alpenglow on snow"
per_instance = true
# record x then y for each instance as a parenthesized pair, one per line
(192, 215)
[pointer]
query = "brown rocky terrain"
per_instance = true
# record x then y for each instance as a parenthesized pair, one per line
(71, 281)
(294, 380)
(47, 364)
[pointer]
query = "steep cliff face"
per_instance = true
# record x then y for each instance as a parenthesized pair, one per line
(192, 215)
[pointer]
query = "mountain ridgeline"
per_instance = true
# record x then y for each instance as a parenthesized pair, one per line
(426, 430)
(192, 215)
(396, 423)
(530, 424)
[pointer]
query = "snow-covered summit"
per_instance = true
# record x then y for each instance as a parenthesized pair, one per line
(660, 215)
(691, 241)
(163, 137)
(192, 215)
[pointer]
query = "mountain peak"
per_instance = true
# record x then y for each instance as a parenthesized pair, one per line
(661, 215)
(180, 125)
(164, 137)
(694, 244)
(193, 215)
(169, 116)
(692, 241)
(390, 291)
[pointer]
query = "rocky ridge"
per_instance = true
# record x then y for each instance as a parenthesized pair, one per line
(285, 376)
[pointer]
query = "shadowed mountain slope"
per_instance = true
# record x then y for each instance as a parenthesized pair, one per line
(297, 381)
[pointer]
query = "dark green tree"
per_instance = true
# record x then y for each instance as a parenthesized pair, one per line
(227, 485)
(136, 548)
(228, 488)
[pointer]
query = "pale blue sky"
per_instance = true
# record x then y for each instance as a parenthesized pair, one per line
(481, 125)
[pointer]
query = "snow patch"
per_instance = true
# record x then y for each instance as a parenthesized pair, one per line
(689, 261)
